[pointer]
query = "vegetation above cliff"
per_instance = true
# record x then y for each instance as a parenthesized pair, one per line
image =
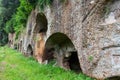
(19, 18)
(14, 14)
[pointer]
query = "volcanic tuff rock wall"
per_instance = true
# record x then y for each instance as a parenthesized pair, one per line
(91, 25)
(101, 39)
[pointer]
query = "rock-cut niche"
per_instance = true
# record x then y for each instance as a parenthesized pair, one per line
(60, 49)
(29, 50)
(40, 30)
(41, 23)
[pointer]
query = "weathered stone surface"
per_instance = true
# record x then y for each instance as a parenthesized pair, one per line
(101, 36)
(11, 41)
(89, 27)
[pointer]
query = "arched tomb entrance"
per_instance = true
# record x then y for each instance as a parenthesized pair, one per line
(60, 48)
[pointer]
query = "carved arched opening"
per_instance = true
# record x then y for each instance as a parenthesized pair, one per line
(41, 23)
(60, 48)
(40, 30)
(29, 50)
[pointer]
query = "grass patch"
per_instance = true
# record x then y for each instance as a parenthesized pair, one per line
(14, 66)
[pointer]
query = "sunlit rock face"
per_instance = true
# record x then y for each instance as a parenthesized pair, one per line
(92, 27)
(102, 40)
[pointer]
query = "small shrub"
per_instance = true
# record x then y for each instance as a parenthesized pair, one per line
(90, 58)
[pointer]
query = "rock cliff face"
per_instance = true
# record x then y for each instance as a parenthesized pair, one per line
(78, 34)
(101, 39)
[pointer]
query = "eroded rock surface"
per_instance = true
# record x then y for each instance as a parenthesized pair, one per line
(91, 28)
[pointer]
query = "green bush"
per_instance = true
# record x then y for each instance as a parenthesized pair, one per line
(7, 9)
(18, 20)
(21, 16)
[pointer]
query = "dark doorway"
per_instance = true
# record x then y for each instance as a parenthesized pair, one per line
(29, 50)
(74, 62)
(41, 23)
(61, 49)
(49, 55)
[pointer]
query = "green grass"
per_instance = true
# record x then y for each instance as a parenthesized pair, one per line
(14, 66)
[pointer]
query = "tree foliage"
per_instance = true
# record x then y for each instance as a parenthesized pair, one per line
(14, 14)
(19, 18)
(7, 8)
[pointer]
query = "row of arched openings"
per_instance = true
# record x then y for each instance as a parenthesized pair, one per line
(58, 47)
